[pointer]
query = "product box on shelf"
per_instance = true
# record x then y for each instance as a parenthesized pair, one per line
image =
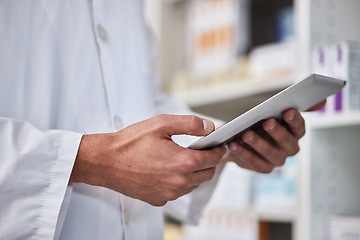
(344, 227)
(212, 34)
(322, 63)
(273, 61)
(276, 191)
(340, 60)
(347, 67)
(229, 225)
(227, 215)
(233, 191)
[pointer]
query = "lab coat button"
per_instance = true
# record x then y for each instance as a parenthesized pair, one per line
(118, 123)
(101, 32)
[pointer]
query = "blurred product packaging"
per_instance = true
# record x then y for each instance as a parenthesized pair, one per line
(344, 227)
(272, 56)
(272, 61)
(276, 191)
(224, 225)
(228, 214)
(284, 24)
(216, 30)
(233, 190)
(340, 60)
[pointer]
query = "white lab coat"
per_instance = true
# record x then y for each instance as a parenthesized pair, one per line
(83, 67)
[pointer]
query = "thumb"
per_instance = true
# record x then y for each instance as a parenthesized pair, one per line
(186, 124)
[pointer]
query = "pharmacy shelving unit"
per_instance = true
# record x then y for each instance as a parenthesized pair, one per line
(330, 157)
(329, 177)
(223, 101)
(228, 100)
(329, 160)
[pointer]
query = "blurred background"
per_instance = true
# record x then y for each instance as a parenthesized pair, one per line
(223, 57)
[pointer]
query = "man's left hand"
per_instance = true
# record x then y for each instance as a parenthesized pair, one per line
(263, 152)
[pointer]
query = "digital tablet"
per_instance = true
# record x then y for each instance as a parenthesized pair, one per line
(300, 96)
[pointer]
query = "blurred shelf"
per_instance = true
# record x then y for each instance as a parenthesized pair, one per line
(276, 215)
(172, 1)
(228, 100)
(229, 90)
(323, 121)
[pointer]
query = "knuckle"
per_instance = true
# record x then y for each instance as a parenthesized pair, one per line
(182, 183)
(267, 169)
(171, 196)
(281, 162)
(189, 166)
(187, 163)
(280, 159)
(295, 150)
(262, 166)
(158, 203)
(194, 122)
(158, 121)
(211, 173)
(302, 133)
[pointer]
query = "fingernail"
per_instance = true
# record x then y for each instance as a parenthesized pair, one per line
(292, 116)
(233, 147)
(269, 125)
(248, 137)
(208, 125)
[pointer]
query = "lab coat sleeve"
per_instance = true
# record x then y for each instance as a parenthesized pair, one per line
(189, 208)
(35, 167)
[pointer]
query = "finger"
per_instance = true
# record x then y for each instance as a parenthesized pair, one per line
(202, 176)
(295, 122)
(183, 124)
(282, 136)
(205, 159)
(271, 153)
(247, 159)
(317, 106)
(233, 156)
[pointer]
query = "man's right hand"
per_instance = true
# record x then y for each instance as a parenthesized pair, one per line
(142, 161)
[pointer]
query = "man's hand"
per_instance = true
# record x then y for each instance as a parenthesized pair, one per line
(142, 161)
(263, 152)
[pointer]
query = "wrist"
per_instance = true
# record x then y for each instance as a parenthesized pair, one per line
(86, 160)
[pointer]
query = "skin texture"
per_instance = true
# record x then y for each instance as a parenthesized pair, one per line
(142, 162)
(263, 151)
